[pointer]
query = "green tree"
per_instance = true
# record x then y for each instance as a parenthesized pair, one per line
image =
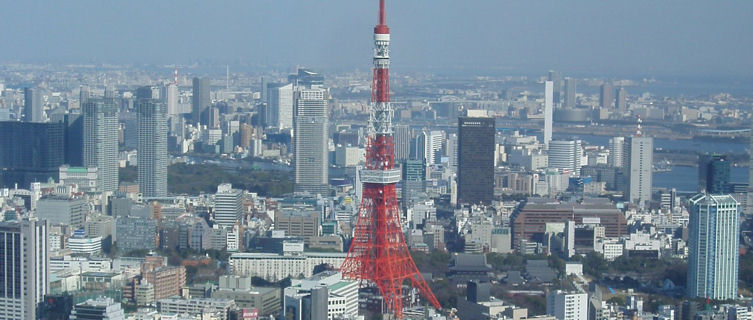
(594, 265)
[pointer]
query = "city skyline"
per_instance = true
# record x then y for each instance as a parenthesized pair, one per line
(294, 183)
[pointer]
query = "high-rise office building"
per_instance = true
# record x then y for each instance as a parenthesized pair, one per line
(548, 112)
(638, 164)
(567, 306)
(620, 102)
(713, 174)
(605, 96)
(33, 111)
(200, 101)
(556, 78)
(713, 243)
(101, 141)
(402, 142)
(170, 98)
(24, 259)
(74, 139)
(279, 112)
(306, 78)
(566, 154)
(152, 148)
(570, 92)
(414, 176)
(228, 205)
(451, 149)
(476, 146)
(616, 152)
(311, 140)
(428, 146)
(30, 152)
(83, 95)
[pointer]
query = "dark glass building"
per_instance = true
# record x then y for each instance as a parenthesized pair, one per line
(475, 160)
(74, 139)
(414, 175)
(713, 174)
(30, 152)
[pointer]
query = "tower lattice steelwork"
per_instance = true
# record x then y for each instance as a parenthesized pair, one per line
(378, 253)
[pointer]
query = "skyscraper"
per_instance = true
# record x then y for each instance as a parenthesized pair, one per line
(83, 95)
(152, 148)
(30, 152)
(170, 97)
(24, 259)
(311, 140)
(228, 205)
(565, 154)
(74, 139)
(402, 142)
(616, 151)
(570, 92)
(638, 164)
(713, 243)
(476, 160)
(451, 149)
(620, 102)
(556, 78)
(605, 96)
(200, 100)
(279, 111)
(101, 141)
(414, 176)
(428, 146)
(548, 112)
(713, 174)
(33, 105)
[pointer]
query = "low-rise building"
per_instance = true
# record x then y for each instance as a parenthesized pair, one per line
(323, 296)
(239, 289)
(200, 306)
(275, 267)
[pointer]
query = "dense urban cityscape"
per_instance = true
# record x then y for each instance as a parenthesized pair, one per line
(218, 191)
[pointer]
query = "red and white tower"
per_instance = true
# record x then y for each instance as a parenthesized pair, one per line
(378, 253)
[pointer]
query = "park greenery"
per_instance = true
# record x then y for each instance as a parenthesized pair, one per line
(204, 178)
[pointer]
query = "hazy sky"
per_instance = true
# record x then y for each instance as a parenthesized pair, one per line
(589, 37)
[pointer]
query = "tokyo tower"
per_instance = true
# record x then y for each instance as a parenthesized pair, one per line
(378, 253)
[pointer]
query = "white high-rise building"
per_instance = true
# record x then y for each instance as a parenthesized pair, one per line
(228, 205)
(170, 97)
(101, 141)
(279, 111)
(567, 306)
(713, 242)
(310, 141)
(430, 144)
(565, 154)
(152, 148)
(25, 261)
(639, 159)
(548, 111)
(616, 151)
